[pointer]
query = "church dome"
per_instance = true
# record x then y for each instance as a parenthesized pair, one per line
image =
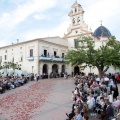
(102, 31)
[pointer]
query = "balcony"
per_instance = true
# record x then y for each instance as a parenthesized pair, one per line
(30, 58)
(55, 58)
(45, 58)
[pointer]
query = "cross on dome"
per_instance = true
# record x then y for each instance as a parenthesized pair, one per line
(101, 22)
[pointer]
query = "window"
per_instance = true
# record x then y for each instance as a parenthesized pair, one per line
(76, 31)
(62, 55)
(0, 58)
(75, 9)
(55, 53)
(5, 51)
(31, 52)
(20, 48)
(45, 53)
(5, 57)
(21, 58)
(73, 20)
(13, 59)
(76, 43)
(78, 19)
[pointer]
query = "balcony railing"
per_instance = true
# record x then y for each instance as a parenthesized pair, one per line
(45, 58)
(57, 59)
(30, 58)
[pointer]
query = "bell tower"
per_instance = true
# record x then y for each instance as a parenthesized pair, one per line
(78, 27)
(76, 14)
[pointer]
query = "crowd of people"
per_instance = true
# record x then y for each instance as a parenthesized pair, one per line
(12, 82)
(94, 94)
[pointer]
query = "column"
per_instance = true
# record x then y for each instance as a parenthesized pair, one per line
(49, 68)
(41, 67)
(59, 68)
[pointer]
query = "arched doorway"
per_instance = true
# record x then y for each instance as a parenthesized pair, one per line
(45, 69)
(55, 71)
(76, 70)
(55, 68)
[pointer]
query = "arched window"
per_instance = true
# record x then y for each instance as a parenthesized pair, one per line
(75, 9)
(73, 20)
(78, 19)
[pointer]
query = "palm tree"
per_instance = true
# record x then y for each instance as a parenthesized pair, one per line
(15, 66)
(6, 65)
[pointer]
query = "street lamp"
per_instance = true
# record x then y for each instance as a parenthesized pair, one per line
(32, 68)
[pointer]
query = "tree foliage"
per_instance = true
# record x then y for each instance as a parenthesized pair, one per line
(12, 65)
(86, 54)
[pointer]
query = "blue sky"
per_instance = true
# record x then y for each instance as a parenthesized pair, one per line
(30, 19)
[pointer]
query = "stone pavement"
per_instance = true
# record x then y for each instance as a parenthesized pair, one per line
(58, 103)
(42, 100)
(47, 99)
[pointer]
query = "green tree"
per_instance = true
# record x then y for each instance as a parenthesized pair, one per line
(8, 65)
(15, 66)
(87, 55)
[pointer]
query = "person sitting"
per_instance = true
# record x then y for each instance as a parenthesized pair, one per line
(85, 117)
(16, 83)
(85, 110)
(77, 115)
(91, 102)
(7, 85)
(11, 84)
(2, 88)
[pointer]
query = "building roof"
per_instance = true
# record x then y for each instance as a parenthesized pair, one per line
(102, 31)
(53, 40)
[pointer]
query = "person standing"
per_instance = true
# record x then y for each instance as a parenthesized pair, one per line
(116, 92)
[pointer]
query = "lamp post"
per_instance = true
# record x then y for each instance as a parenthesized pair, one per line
(32, 68)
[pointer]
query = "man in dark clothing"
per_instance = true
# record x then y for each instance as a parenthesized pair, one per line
(109, 111)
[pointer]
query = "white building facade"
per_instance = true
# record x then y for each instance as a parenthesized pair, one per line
(38, 56)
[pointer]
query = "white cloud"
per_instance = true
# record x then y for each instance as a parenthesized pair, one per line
(39, 16)
(104, 10)
(23, 11)
(57, 31)
(95, 11)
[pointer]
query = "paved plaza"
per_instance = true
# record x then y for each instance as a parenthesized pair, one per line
(47, 99)
(42, 100)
